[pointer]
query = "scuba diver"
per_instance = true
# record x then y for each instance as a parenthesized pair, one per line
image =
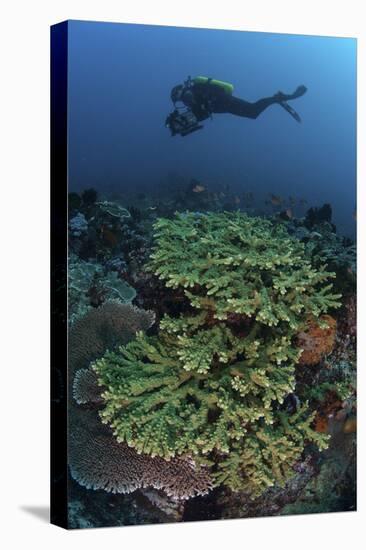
(202, 96)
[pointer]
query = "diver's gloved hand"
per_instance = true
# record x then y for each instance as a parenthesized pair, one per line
(300, 90)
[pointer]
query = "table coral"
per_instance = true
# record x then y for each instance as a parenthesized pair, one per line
(96, 459)
(205, 386)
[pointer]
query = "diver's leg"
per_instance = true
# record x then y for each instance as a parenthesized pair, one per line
(240, 107)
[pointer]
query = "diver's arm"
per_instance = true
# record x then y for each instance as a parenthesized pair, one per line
(197, 99)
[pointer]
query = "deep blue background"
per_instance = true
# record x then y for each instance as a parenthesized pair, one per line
(120, 77)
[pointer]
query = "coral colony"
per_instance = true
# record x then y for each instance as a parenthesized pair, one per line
(96, 460)
(211, 384)
(230, 381)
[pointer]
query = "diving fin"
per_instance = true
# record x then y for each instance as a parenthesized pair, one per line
(290, 110)
(300, 90)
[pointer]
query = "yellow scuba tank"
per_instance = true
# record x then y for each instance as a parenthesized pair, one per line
(229, 88)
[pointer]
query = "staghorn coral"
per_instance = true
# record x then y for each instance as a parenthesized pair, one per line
(267, 457)
(239, 264)
(211, 383)
(317, 341)
(166, 412)
(96, 459)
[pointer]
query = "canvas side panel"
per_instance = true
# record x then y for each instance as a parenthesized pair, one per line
(59, 38)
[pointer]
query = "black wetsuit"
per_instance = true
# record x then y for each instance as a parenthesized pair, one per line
(204, 99)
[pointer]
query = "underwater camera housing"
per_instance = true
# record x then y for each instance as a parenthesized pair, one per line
(182, 123)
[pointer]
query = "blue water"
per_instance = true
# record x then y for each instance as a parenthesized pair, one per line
(120, 77)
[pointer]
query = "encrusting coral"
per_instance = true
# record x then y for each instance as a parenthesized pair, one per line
(96, 459)
(317, 341)
(212, 383)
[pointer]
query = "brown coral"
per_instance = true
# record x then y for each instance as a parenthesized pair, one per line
(315, 341)
(103, 328)
(96, 459)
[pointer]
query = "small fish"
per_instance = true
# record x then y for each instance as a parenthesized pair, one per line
(289, 213)
(198, 188)
(237, 200)
(151, 207)
(275, 200)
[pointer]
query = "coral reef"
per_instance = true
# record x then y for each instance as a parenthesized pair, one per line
(324, 246)
(78, 225)
(85, 387)
(104, 328)
(333, 489)
(89, 197)
(330, 385)
(113, 209)
(271, 501)
(90, 286)
(96, 459)
(349, 318)
(212, 383)
(107, 234)
(315, 216)
(279, 283)
(316, 340)
(89, 509)
(221, 378)
(74, 202)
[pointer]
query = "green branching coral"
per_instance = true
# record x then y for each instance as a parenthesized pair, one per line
(212, 384)
(267, 455)
(232, 263)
